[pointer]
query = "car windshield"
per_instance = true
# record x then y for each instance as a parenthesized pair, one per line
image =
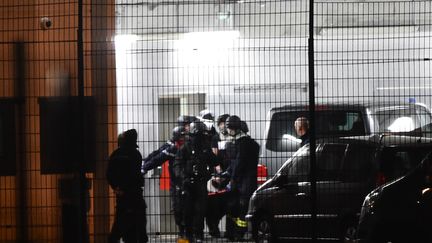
(297, 165)
(329, 162)
(282, 136)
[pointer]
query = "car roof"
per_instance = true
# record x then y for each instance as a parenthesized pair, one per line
(344, 106)
(383, 140)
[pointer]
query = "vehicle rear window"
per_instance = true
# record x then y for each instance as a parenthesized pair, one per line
(282, 137)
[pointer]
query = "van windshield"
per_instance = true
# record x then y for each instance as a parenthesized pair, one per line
(282, 137)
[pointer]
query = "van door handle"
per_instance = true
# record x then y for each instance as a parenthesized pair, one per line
(301, 194)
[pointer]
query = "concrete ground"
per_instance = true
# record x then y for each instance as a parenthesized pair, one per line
(207, 238)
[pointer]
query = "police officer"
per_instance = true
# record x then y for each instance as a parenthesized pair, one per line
(185, 121)
(207, 117)
(244, 154)
(125, 178)
(167, 152)
(216, 203)
(192, 170)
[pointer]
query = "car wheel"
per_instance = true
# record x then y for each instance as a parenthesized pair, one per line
(349, 234)
(263, 230)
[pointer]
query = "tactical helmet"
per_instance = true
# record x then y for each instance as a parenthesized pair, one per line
(233, 123)
(221, 118)
(185, 120)
(206, 114)
(198, 127)
(178, 132)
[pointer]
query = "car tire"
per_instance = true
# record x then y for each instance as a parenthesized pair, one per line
(263, 231)
(348, 230)
(349, 234)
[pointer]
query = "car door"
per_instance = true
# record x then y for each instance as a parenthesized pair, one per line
(293, 217)
(358, 177)
(328, 169)
(290, 201)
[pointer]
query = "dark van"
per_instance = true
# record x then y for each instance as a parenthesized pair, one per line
(347, 170)
(400, 211)
(337, 120)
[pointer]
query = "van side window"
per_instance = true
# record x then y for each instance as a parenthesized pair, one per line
(358, 164)
(329, 162)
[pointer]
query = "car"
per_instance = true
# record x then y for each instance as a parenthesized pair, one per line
(399, 211)
(338, 120)
(347, 169)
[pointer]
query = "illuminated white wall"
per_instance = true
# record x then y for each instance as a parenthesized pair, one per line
(255, 57)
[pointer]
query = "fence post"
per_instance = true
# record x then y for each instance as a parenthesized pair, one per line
(83, 187)
(20, 77)
(312, 130)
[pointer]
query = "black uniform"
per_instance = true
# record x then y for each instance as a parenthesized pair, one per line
(192, 170)
(167, 152)
(217, 201)
(124, 176)
(304, 139)
(244, 154)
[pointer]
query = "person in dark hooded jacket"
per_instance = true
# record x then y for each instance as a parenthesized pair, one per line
(243, 153)
(125, 178)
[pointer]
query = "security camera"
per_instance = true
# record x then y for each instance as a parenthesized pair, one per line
(45, 23)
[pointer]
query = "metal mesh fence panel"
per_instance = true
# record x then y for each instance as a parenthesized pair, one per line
(218, 93)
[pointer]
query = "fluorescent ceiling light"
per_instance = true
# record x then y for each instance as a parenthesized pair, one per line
(124, 41)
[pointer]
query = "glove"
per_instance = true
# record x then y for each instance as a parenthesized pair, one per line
(186, 184)
(172, 150)
(224, 174)
(228, 186)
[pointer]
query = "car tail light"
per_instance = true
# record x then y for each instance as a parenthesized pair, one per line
(261, 174)
(380, 179)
